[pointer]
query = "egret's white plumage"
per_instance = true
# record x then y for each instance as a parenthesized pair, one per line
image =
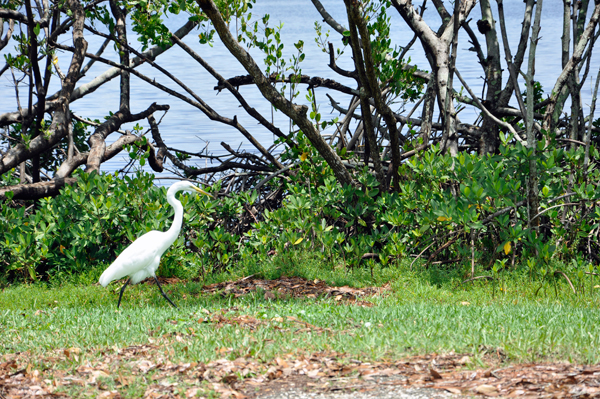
(141, 259)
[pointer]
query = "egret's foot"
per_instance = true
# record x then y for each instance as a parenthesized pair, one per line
(163, 293)
(122, 290)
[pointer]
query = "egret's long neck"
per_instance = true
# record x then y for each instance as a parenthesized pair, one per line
(173, 232)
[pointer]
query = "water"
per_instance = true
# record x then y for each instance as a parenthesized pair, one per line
(185, 127)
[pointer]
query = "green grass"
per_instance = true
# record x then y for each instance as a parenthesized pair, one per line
(529, 332)
(421, 313)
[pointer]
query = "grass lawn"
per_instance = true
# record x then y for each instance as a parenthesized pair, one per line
(72, 339)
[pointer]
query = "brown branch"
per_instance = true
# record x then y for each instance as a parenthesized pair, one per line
(478, 278)
(101, 79)
(366, 89)
(112, 73)
(327, 18)
(487, 113)
(36, 190)
(120, 28)
(244, 155)
(341, 29)
(227, 165)
(440, 249)
(475, 42)
(97, 139)
(567, 278)
(9, 32)
(356, 12)
(196, 102)
(156, 160)
(314, 81)
(421, 253)
(337, 69)
(22, 18)
(521, 48)
(68, 166)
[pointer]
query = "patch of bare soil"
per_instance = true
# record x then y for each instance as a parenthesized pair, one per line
(295, 287)
(324, 372)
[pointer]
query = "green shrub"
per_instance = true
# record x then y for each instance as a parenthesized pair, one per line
(448, 210)
(85, 228)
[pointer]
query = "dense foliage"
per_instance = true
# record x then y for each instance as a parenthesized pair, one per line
(87, 226)
(459, 211)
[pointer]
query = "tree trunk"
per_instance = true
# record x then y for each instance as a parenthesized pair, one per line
(438, 48)
(490, 141)
(532, 195)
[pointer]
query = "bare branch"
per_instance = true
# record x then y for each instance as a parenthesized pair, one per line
(60, 122)
(296, 112)
(314, 81)
(506, 125)
(36, 190)
(223, 83)
(9, 32)
(573, 62)
(97, 140)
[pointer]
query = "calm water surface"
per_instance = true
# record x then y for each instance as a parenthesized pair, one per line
(187, 128)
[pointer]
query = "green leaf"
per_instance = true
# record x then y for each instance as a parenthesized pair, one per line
(9, 195)
(36, 29)
(346, 33)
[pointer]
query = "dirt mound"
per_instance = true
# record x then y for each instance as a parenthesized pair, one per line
(294, 287)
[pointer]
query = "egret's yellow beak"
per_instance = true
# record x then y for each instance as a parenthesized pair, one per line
(198, 189)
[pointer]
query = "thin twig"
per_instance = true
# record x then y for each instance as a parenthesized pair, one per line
(478, 278)
(569, 281)
(422, 252)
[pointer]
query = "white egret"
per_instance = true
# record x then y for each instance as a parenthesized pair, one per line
(141, 259)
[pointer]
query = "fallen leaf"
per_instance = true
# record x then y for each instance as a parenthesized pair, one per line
(313, 373)
(435, 374)
(269, 295)
(487, 390)
(453, 390)
(464, 360)
(228, 379)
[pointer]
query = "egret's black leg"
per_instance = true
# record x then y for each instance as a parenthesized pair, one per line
(122, 290)
(163, 293)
